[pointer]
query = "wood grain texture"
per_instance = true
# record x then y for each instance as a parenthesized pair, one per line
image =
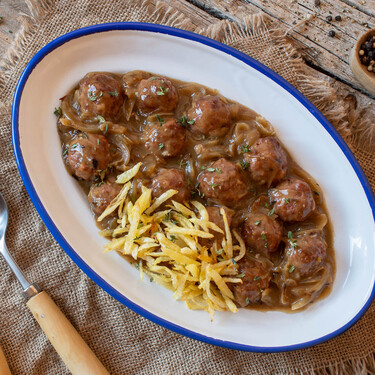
(327, 54)
(75, 353)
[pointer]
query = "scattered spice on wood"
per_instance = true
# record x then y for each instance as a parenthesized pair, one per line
(317, 3)
(329, 18)
(367, 53)
(332, 33)
(338, 18)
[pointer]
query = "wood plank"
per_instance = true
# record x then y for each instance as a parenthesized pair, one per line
(329, 54)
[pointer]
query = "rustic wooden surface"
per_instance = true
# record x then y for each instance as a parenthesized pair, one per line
(328, 55)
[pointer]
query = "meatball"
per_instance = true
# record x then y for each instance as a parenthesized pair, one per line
(157, 93)
(211, 116)
(171, 179)
(294, 200)
(88, 153)
(262, 233)
(223, 182)
(167, 139)
(268, 162)
(306, 254)
(100, 94)
(100, 196)
(215, 217)
(256, 279)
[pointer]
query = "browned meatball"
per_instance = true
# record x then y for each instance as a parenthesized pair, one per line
(211, 116)
(100, 94)
(306, 254)
(256, 279)
(268, 162)
(100, 196)
(88, 153)
(171, 179)
(223, 182)
(294, 200)
(262, 233)
(157, 93)
(167, 139)
(215, 217)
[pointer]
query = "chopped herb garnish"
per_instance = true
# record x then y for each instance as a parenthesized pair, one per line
(106, 128)
(167, 216)
(203, 167)
(219, 252)
(183, 163)
(264, 237)
(247, 301)
(58, 112)
(93, 97)
(234, 262)
(154, 78)
(241, 275)
(211, 169)
(65, 151)
(193, 192)
(258, 222)
(286, 200)
(161, 145)
(256, 278)
(113, 93)
(203, 137)
(315, 192)
(136, 265)
(213, 186)
(244, 164)
(291, 269)
(173, 238)
(162, 91)
(244, 148)
(218, 170)
(84, 135)
(101, 119)
(290, 235)
(266, 205)
(160, 119)
(74, 145)
(151, 279)
(191, 122)
(271, 212)
(261, 290)
(182, 120)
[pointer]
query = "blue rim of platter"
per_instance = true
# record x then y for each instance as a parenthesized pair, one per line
(146, 27)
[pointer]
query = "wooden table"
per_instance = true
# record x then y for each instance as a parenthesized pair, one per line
(324, 53)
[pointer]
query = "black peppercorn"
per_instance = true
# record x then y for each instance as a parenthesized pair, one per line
(317, 3)
(329, 18)
(331, 34)
(338, 18)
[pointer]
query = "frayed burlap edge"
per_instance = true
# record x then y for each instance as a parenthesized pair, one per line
(351, 120)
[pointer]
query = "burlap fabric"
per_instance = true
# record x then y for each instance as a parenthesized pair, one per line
(125, 342)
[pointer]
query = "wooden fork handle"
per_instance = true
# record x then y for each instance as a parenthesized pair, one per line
(75, 353)
(4, 369)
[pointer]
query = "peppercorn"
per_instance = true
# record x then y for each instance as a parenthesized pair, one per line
(367, 54)
(338, 18)
(317, 3)
(329, 18)
(331, 34)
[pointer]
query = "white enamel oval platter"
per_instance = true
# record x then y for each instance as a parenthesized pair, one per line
(309, 138)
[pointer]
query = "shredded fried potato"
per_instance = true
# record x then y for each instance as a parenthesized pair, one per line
(167, 246)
